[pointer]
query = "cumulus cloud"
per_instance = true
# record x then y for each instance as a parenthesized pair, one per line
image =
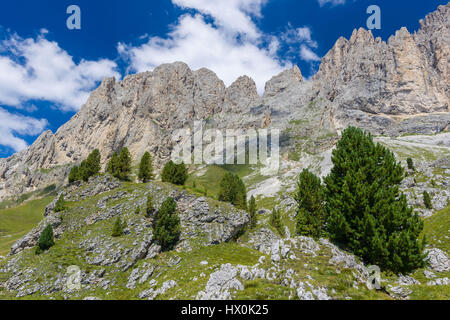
(38, 69)
(231, 45)
(231, 15)
(13, 124)
(332, 2)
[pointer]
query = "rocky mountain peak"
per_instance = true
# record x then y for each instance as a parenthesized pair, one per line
(282, 81)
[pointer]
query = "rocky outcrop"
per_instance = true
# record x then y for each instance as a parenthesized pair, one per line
(388, 83)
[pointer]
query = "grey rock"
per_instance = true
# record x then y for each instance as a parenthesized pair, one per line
(438, 260)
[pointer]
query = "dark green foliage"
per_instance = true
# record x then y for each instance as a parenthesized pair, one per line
(138, 210)
(275, 221)
(88, 168)
(427, 200)
(60, 204)
(233, 190)
(46, 240)
(146, 168)
(91, 166)
(120, 165)
(74, 174)
(311, 214)
(166, 227)
(150, 209)
(410, 163)
(174, 173)
(366, 212)
(118, 228)
(252, 212)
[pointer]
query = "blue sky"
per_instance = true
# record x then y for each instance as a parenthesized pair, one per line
(47, 70)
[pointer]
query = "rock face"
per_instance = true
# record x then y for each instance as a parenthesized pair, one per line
(369, 80)
(394, 87)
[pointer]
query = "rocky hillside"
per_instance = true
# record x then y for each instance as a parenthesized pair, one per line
(392, 88)
(216, 258)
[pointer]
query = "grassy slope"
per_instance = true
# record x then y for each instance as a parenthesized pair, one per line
(16, 222)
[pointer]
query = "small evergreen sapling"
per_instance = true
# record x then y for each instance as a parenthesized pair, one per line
(118, 228)
(46, 240)
(60, 204)
(275, 221)
(252, 212)
(427, 200)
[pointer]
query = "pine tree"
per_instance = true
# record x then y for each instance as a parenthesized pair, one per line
(149, 209)
(275, 221)
(118, 228)
(146, 168)
(410, 163)
(232, 190)
(113, 164)
(60, 204)
(120, 165)
(167, 225)
(46, 239)
(311, 214)
(74, 174)
(252, 212)
(366, 212)
(93, 163)
(84, 171)
(427, 200)
(175, 174)
(124, 163)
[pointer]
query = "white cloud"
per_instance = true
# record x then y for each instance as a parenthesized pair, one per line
(332, 2)
(11, 124)
(231, 15)
(38, 69)
(307, 54)
(231, 47)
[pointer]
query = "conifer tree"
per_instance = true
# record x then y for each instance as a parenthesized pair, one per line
(366, 212)
(124, 165)
(113, 164)
(232, 190)
(311, 214)
(275, 221)
(410, 163)
(93, 163)
(74, 174)
(118, 228)
(120, 165)
(146, 168)
(252, 212)
(427, 200)
(83, 171)
(60, 204)
(167, 225)
(46, 239)
(175, 174)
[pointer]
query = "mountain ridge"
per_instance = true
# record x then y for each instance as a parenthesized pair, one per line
(390, 88)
